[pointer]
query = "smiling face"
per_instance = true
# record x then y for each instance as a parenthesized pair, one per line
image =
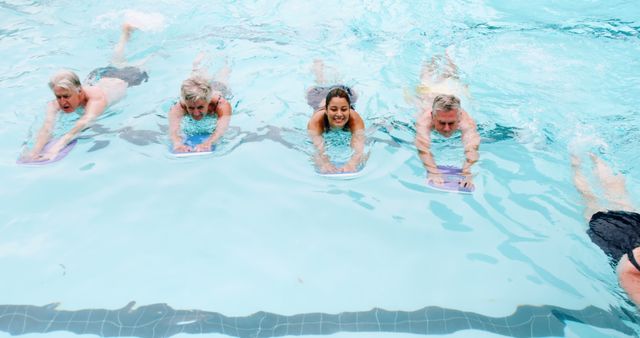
(197, 109)
(338, 112)
(446, 122)
(68, 99)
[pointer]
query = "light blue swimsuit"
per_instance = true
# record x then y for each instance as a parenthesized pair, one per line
(66, 121)
(207, 125)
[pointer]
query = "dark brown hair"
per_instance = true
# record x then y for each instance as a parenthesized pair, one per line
(337, 92)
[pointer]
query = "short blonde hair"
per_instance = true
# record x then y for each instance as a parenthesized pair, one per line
(65, 79)
(445, 102)
(195, 88)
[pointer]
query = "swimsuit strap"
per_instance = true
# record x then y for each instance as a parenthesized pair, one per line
(215, 105)
(325, 121)
(632, 259)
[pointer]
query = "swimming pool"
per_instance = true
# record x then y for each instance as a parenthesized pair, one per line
(251, 242)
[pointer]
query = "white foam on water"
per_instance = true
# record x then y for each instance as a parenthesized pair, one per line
(149, 22)
(154, 22)
(586, 140)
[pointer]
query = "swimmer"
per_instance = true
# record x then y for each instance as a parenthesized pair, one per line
(105, 86)
(200, 99)
(615, 227)
(334, 111)
(440, 111)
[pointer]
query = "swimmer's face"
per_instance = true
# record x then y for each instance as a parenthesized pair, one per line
(446, 122)
(197, 109)
(68, 99)
(338, 112)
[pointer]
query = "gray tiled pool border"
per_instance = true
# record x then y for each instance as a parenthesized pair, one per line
(160, 320)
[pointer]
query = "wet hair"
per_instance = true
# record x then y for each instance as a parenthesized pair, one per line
(445, 102)
(195, 88)
(337, 92)
(65, 79)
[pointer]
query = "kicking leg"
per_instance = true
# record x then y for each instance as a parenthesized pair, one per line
(424, 91)
(451, 69)
(318, 71)
(316, 94)
(580, 181)
(223, 73)
(613, 185)
(197, 69)
(118, 58)
(428, 71)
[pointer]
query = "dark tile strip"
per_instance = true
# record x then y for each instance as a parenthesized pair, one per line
(160, 320)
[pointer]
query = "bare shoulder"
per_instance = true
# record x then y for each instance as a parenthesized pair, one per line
(358, 122)
(627, 273)
(219, 100)
(626, 267)
(466, 116)
(423, 129)
(424, 117)
(53, 106)
(93, 92)
(222, 106)
(315, 122)
(177, 109)
(467, 121)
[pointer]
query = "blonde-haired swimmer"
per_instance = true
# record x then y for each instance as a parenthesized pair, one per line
(614, 225)
(334, 110)
(106, 86)
(441, 111)
(200, 100)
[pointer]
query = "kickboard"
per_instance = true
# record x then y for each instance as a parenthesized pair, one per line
(342, 176)
(192, 141)
(452, 177)
(62, 154)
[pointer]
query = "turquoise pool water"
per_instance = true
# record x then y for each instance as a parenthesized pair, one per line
(251, 242)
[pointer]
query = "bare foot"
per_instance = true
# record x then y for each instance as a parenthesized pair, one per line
(127, 29)
(318, 71)
(198, 60)
(224, 72)
(575, 161)
(602, 170)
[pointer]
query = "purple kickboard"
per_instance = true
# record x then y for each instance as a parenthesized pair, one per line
(452, 178)
(342, 176)
(64, 152)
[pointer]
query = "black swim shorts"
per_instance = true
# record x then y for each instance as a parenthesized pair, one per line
(133, 76)
(615, 232)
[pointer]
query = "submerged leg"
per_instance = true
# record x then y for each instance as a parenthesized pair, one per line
(223, 73)
(428, 70)
(197, 69)
(196, 65)
(613, 185)
(425, 91)
(118, 58)
(318, 71)
(450, 70)
(580, 181)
